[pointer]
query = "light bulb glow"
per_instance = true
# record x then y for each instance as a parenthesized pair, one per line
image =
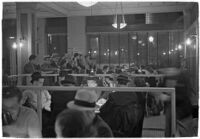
(116, 53)
(104, 54)
(134, 37)
(151, 38)
(20, 44)
(164, 53)
(188, 41)
(179, 47)
(11, 37)
(143, 44)
(139, 41)
(138, 54)
(95, 52)
(14, 46)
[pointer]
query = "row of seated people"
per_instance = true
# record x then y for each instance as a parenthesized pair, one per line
(121, 116)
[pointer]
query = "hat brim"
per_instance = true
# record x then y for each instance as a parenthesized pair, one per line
(71, 105)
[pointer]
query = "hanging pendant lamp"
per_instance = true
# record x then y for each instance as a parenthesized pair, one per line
(122, 23)
(115, 22)
(87, 3)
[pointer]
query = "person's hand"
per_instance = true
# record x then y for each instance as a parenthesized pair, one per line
(164, 97)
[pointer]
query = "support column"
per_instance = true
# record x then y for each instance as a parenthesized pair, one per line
(26, 33)
(187, 21)
(76, 34)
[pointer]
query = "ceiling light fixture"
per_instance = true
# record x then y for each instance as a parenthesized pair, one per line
(87, 3)
(122, 24)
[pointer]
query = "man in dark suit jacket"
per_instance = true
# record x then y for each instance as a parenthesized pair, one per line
(123, 111)
(31, 66)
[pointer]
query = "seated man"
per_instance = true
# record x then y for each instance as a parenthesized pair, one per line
(18, 121)
(123, 111)
(85, 100)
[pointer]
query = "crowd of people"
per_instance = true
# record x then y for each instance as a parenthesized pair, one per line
(89, 113)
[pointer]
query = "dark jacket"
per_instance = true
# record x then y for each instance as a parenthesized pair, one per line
(102, 128)
(122, 112)
(30, 68)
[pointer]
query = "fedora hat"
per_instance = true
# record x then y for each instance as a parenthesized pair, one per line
(85, 99)
(123, 76)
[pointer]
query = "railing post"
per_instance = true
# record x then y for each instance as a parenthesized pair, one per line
(39, 105)
(173, 113)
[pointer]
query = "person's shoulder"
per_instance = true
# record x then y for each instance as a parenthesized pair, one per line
(27, 91)
(27, 111)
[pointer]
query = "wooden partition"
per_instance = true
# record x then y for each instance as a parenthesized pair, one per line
(171, 91)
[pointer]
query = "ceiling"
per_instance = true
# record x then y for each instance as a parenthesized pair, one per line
(66, 9)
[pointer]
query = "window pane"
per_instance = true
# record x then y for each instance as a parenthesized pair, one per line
(104, 49)
(124, 48)
(163, 49)
(133, 48)
(114, 48)
(152, 45)
(142, 48)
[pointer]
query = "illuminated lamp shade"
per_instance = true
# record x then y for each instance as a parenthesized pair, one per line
(87, 3)
(123, 24)
(151, 38)
(14, 46)
(115, 22)
(188, 41)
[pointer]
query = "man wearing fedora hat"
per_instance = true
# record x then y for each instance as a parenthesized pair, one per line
(85, 100)
(121, 111)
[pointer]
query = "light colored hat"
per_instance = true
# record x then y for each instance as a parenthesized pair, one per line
(85, 99)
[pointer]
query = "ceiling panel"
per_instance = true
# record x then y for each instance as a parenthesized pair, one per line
(63, 9)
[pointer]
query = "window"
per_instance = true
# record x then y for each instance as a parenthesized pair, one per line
(140, 48)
